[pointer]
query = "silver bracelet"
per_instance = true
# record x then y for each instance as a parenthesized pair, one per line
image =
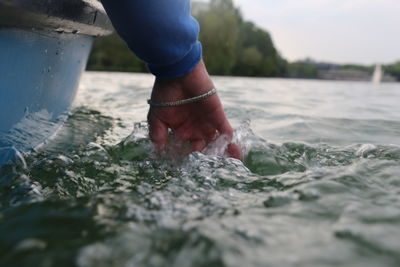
(182, 102)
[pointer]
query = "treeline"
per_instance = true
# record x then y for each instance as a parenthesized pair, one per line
(231, 45)
(311, 69)
(110, 53)
(393, 69)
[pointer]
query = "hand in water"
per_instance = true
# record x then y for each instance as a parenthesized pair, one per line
(198, 123)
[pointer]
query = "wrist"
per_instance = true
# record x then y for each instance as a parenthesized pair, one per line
(195, 83)
(183, 101)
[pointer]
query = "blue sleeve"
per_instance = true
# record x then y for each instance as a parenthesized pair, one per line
(160, 32)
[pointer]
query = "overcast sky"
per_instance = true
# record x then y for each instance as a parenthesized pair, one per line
(342, 31)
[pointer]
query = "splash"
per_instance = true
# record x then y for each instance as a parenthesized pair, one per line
(117, 196)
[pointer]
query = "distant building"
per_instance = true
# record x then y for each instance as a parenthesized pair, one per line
(350, 75)
(319, 65)
(332, 71)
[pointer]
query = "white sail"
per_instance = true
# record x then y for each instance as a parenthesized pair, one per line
(378, 74)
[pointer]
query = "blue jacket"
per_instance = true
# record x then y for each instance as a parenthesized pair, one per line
(160, 32)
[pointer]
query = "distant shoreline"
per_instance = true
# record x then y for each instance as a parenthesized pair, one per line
(235, 47)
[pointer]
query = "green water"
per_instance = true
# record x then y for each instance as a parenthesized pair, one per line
(319, 186)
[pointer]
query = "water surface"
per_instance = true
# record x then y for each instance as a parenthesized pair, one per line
(319, 185)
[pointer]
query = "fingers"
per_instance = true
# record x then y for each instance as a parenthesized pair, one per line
(224, 128)
(196, 131)
(198, 145)
(158, 131)
(233, 150)
(208, 133)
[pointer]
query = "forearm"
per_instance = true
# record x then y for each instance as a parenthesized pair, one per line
(160, 32)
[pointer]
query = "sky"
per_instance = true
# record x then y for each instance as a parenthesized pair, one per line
(340, 31)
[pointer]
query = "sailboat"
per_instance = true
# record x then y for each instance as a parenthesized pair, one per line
(378, 74)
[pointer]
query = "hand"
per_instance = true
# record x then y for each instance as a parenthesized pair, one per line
(198, 123)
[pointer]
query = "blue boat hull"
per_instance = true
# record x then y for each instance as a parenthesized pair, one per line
(41, 61)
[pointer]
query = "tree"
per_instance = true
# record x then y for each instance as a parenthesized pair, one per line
(232, 46)
(219, 36)
(393, 69)
(303, 70)
(110, 53)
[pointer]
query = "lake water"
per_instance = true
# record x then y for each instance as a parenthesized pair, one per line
(319, 185)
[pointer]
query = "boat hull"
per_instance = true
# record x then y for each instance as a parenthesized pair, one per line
(42, 57)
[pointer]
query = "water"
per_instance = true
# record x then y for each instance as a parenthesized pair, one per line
(319, 185)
